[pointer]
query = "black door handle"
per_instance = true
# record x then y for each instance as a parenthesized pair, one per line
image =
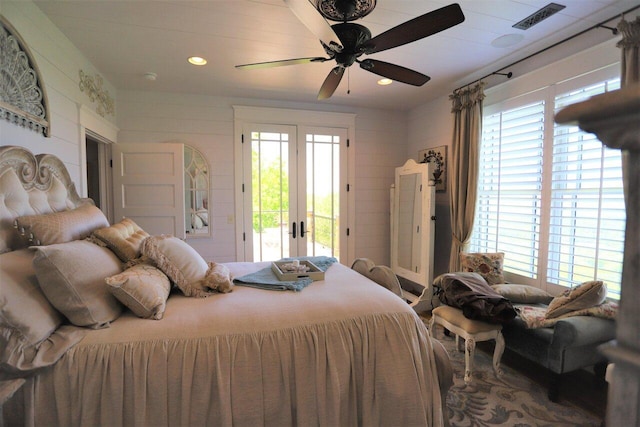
(301, 229)
(294, 229)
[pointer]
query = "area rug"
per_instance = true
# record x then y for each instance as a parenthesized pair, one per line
(510, 400)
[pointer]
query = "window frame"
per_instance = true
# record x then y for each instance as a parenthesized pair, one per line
(547, 94)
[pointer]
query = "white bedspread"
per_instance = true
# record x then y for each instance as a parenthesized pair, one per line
(341, 352)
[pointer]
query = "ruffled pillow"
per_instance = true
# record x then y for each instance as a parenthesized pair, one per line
(61, 227)
(587, 295)
(143, 288)
(488, 265)
(185, 267)
(123, 238)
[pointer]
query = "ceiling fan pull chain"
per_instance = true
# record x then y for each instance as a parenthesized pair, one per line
(348, 81)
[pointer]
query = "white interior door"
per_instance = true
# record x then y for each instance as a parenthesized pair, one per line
(294, 202)
(148, 182)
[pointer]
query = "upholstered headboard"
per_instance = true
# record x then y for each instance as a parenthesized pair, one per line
(31, 185)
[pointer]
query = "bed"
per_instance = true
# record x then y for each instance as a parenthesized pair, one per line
(342, 351)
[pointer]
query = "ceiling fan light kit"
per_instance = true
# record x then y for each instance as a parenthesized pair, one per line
(345, 42)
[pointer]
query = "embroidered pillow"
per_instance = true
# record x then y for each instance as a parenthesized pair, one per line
(586, 295)
(488, 265)
(72, 275)
(63, 226)
(123, 238)
(143, 288)
(185, 267)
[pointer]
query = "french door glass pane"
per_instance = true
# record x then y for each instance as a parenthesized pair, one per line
(270, 195)
(323, 194)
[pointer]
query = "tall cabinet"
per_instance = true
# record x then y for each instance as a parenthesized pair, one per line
(413, 229)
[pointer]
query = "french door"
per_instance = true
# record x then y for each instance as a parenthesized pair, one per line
(294, 190)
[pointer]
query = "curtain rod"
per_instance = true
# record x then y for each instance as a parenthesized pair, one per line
(510, 74)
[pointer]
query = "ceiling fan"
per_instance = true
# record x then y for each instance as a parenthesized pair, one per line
(345, 41)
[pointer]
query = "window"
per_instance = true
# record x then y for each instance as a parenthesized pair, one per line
(550, 196)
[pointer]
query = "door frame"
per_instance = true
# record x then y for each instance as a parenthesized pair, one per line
(299, 118)
(106, 133)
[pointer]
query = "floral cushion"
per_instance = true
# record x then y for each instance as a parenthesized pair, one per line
(488, 265)
(534, 316)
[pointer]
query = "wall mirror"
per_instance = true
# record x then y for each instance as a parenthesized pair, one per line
(413, 226)
(196, 193)
(409, 208)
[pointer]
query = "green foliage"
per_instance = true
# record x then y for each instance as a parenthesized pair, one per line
(270, 184)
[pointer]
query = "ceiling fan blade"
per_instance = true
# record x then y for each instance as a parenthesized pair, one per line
(416, 29)
(311, 18)
(331, 83)
(271, 64)
(394, 72)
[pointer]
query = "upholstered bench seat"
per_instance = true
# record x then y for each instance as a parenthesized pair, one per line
(472, 331)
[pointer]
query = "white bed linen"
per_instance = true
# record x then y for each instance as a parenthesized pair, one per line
(343, 351)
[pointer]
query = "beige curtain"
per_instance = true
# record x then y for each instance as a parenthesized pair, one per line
(463, 171)
(630, 72)
(630, 45)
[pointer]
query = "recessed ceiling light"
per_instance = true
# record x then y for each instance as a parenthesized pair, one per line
(507, 40)
(196, 60)
(384, 82)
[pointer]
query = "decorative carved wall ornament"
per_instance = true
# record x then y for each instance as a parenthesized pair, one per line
(23, 100)
(93, 87)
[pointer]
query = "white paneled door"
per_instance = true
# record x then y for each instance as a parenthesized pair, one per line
(294, 190)
(148, 182)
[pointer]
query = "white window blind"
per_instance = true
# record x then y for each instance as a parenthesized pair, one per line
(550, 197)
(587, 213)
(509, 189)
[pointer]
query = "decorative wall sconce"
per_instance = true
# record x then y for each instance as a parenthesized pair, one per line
(93, 87)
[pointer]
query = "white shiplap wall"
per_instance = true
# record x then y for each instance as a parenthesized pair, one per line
(59, 63)
(206, 123)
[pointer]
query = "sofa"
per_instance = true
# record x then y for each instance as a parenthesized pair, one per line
(561, 333)
(571, 344)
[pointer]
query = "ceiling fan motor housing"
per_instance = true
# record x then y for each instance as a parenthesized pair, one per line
(344, 10)
(353, 37)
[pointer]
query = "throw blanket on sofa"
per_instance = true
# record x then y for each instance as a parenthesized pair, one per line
(267, 279)
(478, 301)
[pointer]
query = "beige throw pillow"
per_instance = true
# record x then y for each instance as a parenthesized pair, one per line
(143, 288)
(123, 238)
(523, 294)
(27, 319)
(63, 226)
(488, 265)
(587, 295)
(72, 275)
(185, 267)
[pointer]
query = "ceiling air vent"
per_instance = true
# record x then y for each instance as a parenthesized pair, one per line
(538, 16)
